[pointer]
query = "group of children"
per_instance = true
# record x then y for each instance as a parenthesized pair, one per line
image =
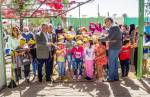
(81, 52)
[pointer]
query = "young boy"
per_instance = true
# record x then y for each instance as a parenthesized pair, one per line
(124, 57)
(23, 58)
(69, 45)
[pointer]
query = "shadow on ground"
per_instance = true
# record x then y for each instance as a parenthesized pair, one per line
(76, 89)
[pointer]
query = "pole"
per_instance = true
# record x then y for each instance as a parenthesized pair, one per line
(98, 13)
(140, 42)
(2, 46)
(79, 16)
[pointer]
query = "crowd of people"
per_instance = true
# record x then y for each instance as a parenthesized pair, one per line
(94, 52)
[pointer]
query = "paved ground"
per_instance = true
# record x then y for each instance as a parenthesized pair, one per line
(128, 87)
(123, 88)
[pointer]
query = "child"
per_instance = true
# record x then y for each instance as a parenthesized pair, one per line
(24, 58)
(60, 55)
(89, 60)
(124, 57)
(100, 60)
(77, 52)
(69, 45)
(146, 43)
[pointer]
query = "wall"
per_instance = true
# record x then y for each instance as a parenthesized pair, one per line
(2, 76)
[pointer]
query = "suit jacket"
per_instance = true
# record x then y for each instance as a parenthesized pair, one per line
(42, 51)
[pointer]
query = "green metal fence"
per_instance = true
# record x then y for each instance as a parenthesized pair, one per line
(85, 21)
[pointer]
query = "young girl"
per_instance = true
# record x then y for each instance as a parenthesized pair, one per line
(60, 55)
(100, 60)
(77, 52)
(89, 59)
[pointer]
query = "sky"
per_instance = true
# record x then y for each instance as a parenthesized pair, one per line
(118, 7)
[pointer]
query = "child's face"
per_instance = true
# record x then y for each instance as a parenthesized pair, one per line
(100, 43)
(87, 44)
(128, 44)
(60, 46)
(22, 45)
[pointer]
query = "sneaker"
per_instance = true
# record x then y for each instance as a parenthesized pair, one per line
(74, 77)
(79, 77)
(88, 78)
(28, 81)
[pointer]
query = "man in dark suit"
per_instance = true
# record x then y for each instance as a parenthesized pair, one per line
(44, 52)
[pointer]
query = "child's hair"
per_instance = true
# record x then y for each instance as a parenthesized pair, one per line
(22, 41)
(103, 43)
(91, 43)
(126, 42)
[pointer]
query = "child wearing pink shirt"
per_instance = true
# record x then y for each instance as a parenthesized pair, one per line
(77, 52)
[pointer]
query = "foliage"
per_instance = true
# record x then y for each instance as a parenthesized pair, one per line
(37, 21)
(125, 15)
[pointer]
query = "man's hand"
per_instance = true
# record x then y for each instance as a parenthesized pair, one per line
(49, 43)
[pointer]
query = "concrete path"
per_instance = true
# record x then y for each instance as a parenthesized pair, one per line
(124, 88)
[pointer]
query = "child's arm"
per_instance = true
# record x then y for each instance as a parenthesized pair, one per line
(134, 45)
(19, 53)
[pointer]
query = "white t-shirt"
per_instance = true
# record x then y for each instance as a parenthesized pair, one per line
(89, 53)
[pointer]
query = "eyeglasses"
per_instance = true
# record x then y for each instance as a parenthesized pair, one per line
(15, 29)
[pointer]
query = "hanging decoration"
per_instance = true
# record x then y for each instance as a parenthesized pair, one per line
(41, 1)
(39, 12)
(9, 13)
(55, 7)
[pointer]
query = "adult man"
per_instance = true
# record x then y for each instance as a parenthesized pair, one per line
(27, 34)
(115, 44)
(43, 52)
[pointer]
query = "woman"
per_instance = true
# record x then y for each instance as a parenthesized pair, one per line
(71, 31)
(133, 36)
(12, 44)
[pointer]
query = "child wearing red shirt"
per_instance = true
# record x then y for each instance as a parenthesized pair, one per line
(124, 57)
(77, 53)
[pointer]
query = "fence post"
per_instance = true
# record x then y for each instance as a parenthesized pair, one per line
(2, 45)
(140, 42)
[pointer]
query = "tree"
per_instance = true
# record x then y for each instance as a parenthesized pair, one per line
(37, 22)
(19, 6)
(124, 15)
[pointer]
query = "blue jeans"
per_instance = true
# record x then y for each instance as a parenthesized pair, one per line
(125, 67)
(34, 65)
(69, 60)
(113, 64)
(77, 66)
(61, 68)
